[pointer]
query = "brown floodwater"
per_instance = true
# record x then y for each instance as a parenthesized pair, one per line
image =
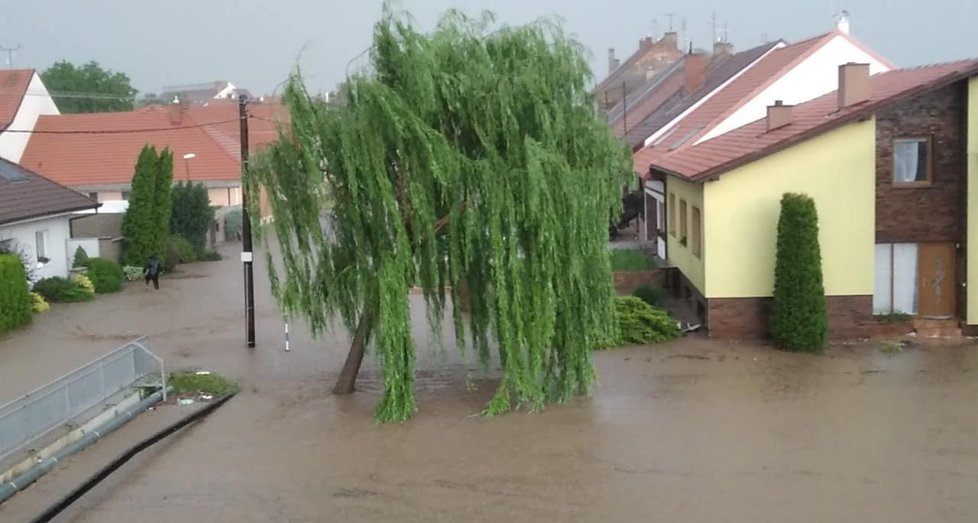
(693, 430)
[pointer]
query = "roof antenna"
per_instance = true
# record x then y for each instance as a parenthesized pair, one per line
(10, 54)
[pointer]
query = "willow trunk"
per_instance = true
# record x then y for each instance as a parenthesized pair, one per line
(347, 381)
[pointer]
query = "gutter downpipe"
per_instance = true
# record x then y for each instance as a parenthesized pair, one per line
(8, 489)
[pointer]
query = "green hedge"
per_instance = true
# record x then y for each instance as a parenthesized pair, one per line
(106, 275)
(15, 298)
(799, 321)
(639, 323)
(61, 290)
(185, 252)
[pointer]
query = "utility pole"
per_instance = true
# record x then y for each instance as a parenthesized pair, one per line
(247, 256)
(10, 54)
(624, 107)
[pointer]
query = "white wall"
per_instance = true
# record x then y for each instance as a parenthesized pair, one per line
(90, 245)
(815, 76)
(57, 234)
(37, 102)
(669, 126)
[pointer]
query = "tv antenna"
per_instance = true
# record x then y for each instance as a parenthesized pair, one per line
(10, 54)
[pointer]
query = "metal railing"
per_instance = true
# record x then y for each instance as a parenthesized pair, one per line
(68, 399)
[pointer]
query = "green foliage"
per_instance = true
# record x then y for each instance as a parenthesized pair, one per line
(893, 317)
(632, 260)
(485, 138)
(641, 324)
(106, 275)
(64, 77)
(80, 257)
(185, 251)
(191, 214)
(210, 256)
(15, 300)
(62, 290)
(799, 321)
(132, 272)
(232, 222)
(38, 303)
(174, 252)
(650, 294)
(184, 383)
(146, 223)
(891, 347)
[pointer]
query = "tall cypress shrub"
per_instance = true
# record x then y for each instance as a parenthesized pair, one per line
(163, 194)
(799, 321)
(15, 300)
(139, 226)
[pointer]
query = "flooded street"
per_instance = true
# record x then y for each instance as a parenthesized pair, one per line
(689, 431)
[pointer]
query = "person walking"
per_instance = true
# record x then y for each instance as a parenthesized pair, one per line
(152, 271)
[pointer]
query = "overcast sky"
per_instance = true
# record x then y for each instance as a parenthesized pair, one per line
(255, 43)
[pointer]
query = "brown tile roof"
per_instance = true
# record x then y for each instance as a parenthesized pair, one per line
(718, 74)
(85, 150)
(649, 98)
(25, 195)
(746, 144)
(13, 87)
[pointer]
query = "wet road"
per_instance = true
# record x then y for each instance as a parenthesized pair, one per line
(690, 431)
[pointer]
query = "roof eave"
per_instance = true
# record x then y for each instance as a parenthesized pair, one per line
(51, 214)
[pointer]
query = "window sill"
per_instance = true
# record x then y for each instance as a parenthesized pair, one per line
(913, 185)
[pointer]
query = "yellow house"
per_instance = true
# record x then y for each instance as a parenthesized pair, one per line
(886, 159)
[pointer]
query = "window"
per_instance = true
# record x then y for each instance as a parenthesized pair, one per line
(696, 239)
(911, 161)
(672, 214)
(896, 279)
(682, 222)
(41, 246)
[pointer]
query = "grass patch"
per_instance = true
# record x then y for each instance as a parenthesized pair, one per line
(193, 383)
(891, 347)
(893, 317)
(631, 260)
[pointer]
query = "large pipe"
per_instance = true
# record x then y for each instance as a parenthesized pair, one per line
(8, 489)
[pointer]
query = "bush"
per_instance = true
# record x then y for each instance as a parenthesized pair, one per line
(132, 272)
(233, 223)
(106, 275)
(172, 258)
(631, 260)
(211, 256)
(185, 250)
(191, 215)
(650, 294)
(799, 321)
(38, 303)
(63, 290)
(80, 257)
(15, 301)
(641, 324)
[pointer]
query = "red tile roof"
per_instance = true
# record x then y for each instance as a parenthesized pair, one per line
(84, 150)
(25, 195)
(671, 82)
(13, 87)
(746, 144)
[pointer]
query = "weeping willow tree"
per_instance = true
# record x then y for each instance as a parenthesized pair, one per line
(468, 160)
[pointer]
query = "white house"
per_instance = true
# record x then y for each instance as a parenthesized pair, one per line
(35, 219)
(23, 99)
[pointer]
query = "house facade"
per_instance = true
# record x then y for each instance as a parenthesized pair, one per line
(23, 99)
(34, 219)
(888, 159)
(625, 78)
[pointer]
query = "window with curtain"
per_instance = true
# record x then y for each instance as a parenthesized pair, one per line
(696, 239)
(911, 161)
(41, 246)
(896, 279)
(672, 214)
(682, 220)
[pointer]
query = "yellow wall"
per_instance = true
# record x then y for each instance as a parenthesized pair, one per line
(973, 202)
(838, 170)
(682, 256)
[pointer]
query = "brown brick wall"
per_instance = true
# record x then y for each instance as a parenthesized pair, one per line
(747, 318)
(628, 281)
(932, 213)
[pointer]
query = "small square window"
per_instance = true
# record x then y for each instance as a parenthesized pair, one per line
(911, 161)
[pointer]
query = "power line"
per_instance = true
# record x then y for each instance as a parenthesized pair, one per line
(120, 131)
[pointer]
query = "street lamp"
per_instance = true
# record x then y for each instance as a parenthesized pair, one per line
(186, 163)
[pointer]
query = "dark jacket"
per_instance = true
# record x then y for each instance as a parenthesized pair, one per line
(152, 267)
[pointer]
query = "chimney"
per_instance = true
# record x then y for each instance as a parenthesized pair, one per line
(694, 67)
(177, 111)
(613, 62)
(853, 84)
(646, 43)
(721, 47)
(671, 40)
(778, 115)
(842, 24)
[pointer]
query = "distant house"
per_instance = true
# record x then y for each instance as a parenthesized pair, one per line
(202, 93)
(34, 219)
(891, 161)
(626, 77)
(96, 154)
(736, 96)
(23, 98)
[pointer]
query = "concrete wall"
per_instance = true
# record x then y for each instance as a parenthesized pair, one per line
(743, 208)
(36, 103)
(972, 212)
(817, 75)
(23, 235)
(97, 226)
